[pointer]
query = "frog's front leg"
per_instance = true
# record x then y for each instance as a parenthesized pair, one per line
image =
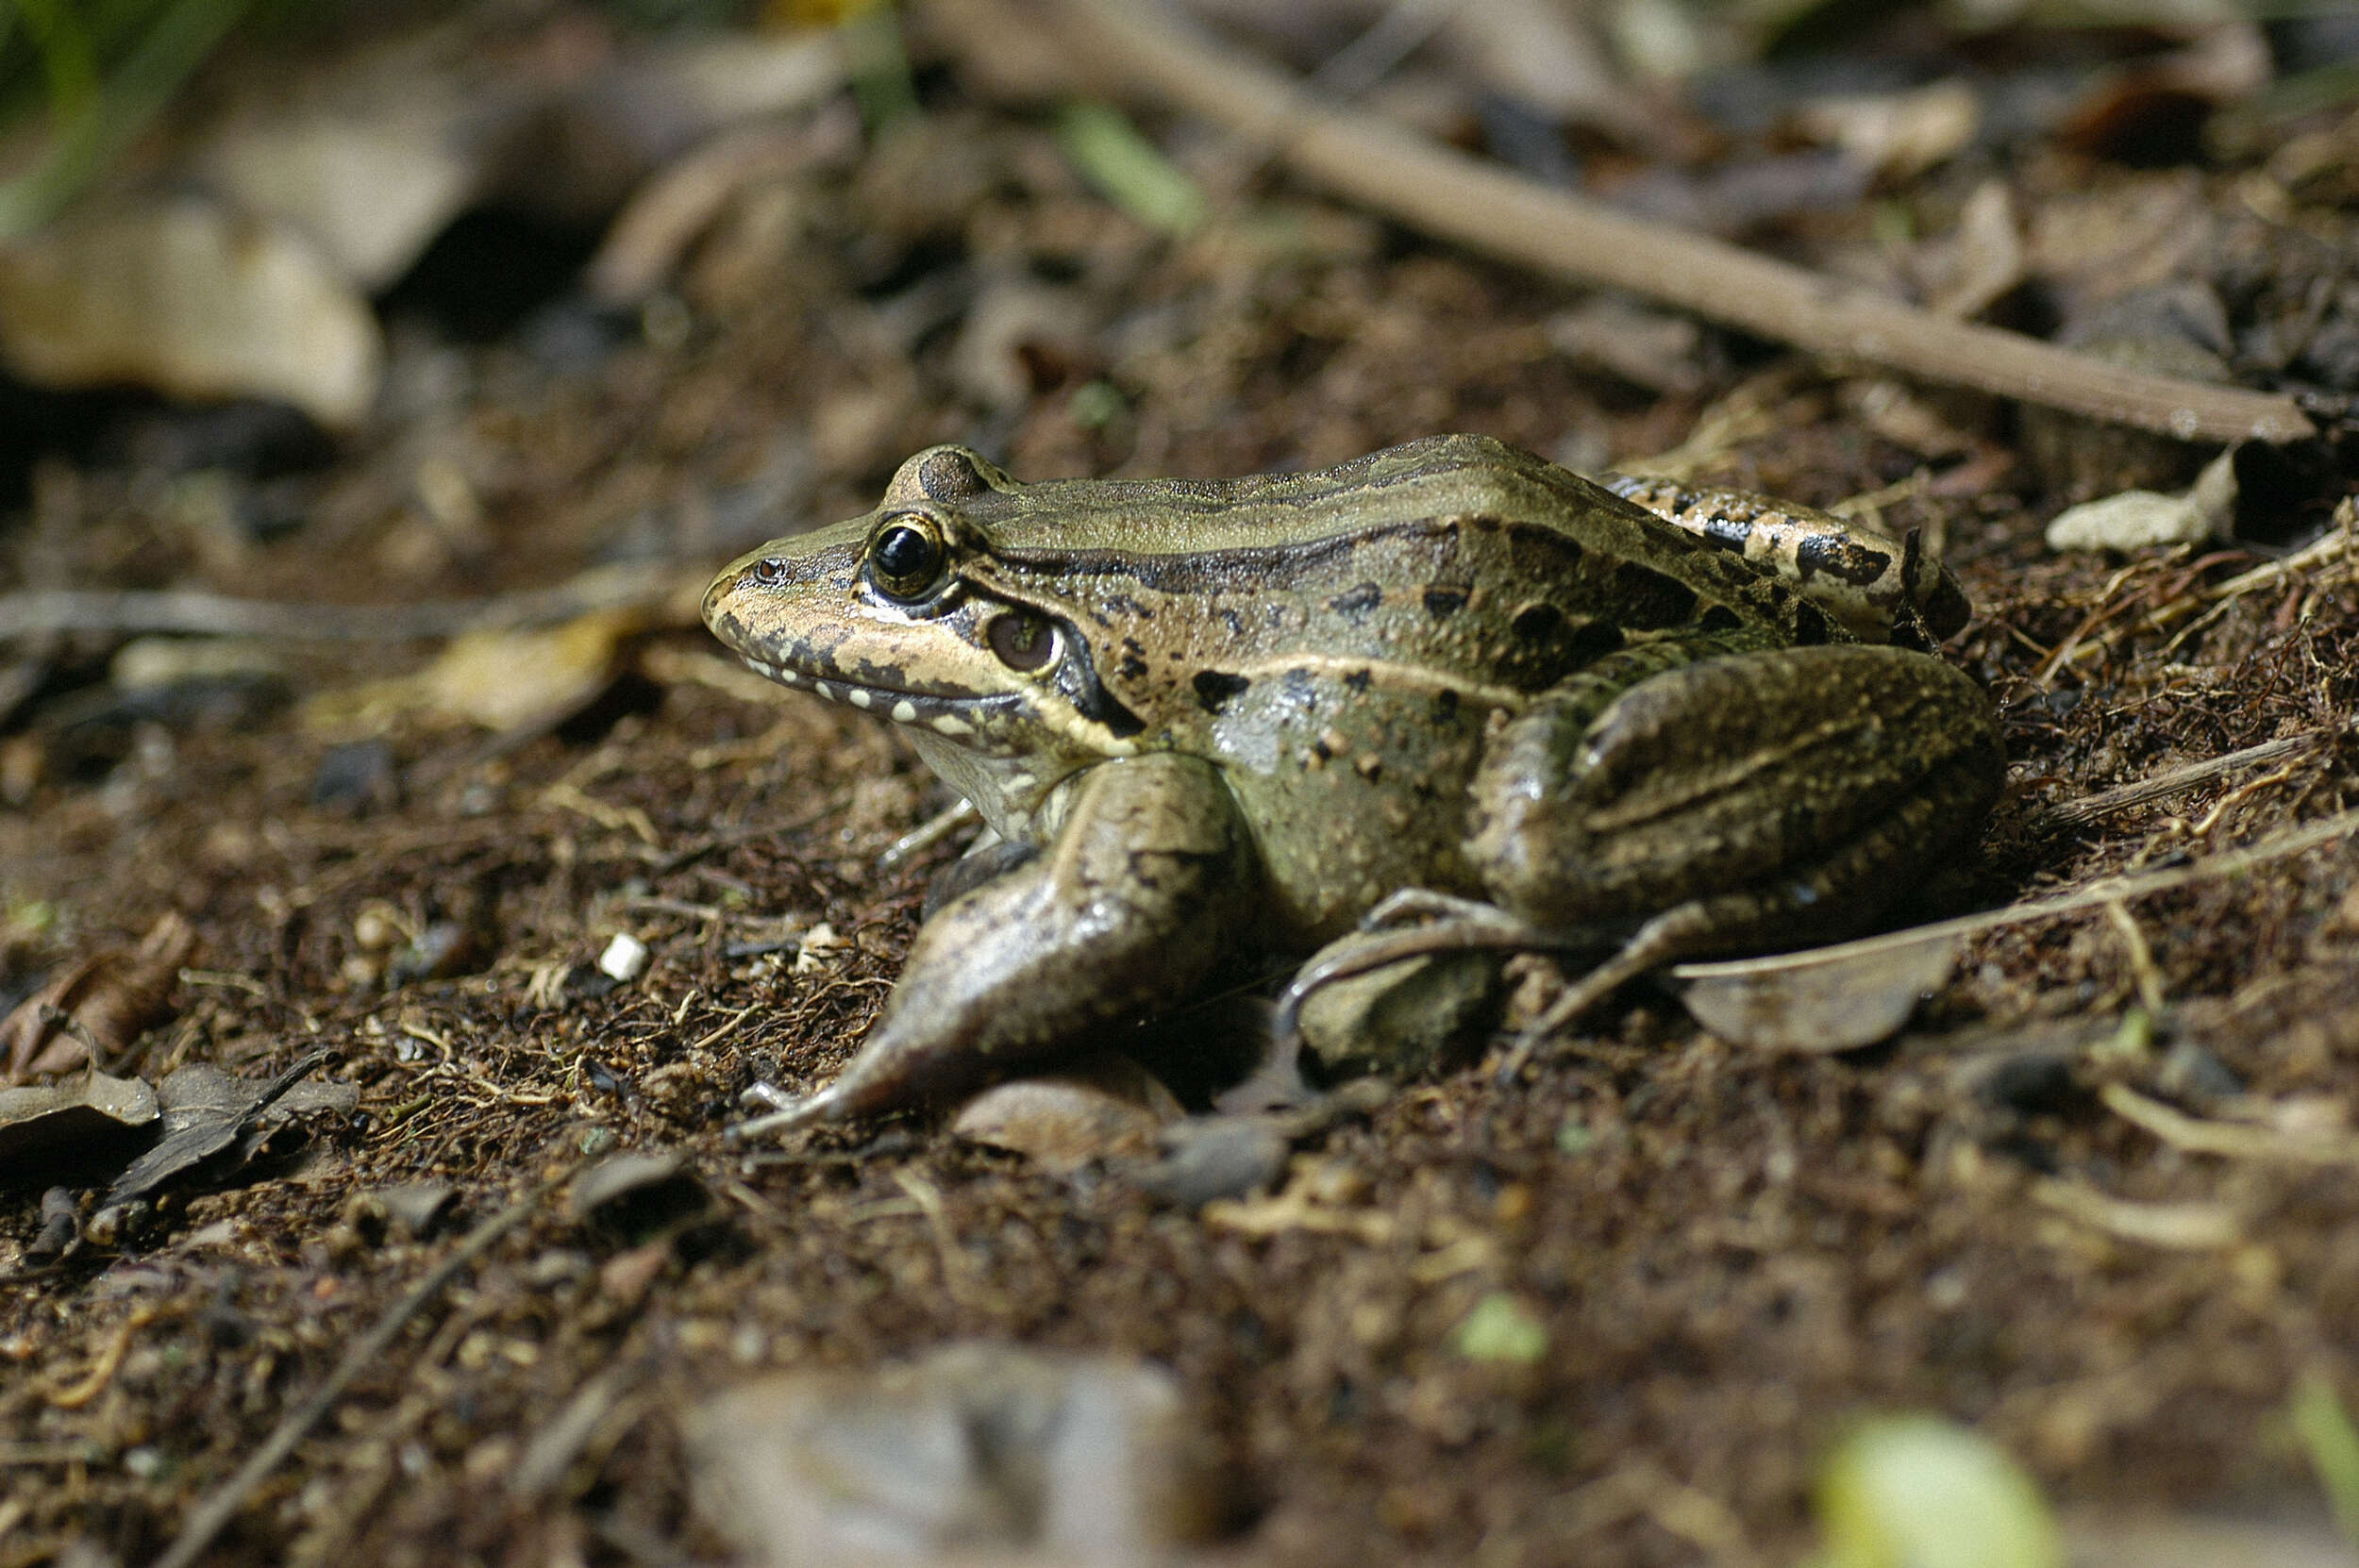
(1145, 891)
(1766, 799)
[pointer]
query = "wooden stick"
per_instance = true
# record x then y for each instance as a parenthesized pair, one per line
(2170, 781)
(195, 612)
(1482, 205)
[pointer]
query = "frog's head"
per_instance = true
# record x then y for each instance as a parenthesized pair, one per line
(897, 613)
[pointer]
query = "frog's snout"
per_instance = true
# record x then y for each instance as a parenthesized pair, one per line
(718, 591)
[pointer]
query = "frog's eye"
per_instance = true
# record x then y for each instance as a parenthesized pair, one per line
(769, 572)
(1022, 640)
(905, 554)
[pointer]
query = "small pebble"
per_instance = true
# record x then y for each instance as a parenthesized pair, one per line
(2130, 520)
(1106, 1107)
(1922, 1491)
(624, 958)
(981, 1452)
(1214, 1156)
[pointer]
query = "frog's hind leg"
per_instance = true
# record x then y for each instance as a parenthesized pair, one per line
(1757, 802)
(1773, 915)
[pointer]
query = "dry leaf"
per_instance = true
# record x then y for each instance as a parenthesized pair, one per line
(117, 995)
(1835, 998)
(185, 297)
(1106, 1107)
(46, 1126)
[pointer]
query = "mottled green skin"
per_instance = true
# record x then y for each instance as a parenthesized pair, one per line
(1406, 671)
(1393, 603)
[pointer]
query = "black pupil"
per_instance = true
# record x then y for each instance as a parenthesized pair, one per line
(904, 554)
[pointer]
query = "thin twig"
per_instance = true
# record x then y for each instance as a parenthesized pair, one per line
(192, 612)
(2171, 781)
(2229, 1140)
(65, 1023)
(2147, 974)
(2182, 1226)
(2335, 541)
(2106, 891)
(207, 1518)
(1483, 205)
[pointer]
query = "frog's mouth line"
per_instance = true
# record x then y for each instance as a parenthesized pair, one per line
(943, 712)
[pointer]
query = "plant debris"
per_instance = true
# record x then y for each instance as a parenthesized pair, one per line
(213, 1121)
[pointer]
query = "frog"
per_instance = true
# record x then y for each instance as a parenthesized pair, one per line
(1449, 692)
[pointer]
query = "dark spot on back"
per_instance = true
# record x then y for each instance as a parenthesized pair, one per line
(1725, 533)
(1593, 640)
(1844, 559)
(1445, 705)
(1356, 602)
(950, 477)
(1720, 618)
(1552, 645)
(1213, 688)
(1442, 603)
(1538, 623)
(1357, 680)
(1810, 624)
(1648, 600)
(1944, 608)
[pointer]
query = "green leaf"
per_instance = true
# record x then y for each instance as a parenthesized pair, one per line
(1500, 1328)
(106, 123)
(1128, 169)
(1922, 1491)
(66, 57)
(2332, 1444)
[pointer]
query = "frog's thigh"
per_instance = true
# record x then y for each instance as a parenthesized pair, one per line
(1146, 888)
(1793, 789)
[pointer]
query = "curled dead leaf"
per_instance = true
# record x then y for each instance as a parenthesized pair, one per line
(193, 301)
(1833, 998)
(115, 996)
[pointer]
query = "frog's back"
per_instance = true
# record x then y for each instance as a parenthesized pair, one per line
(1455, 560)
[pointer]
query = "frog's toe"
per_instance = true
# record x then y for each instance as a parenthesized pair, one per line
(791, 1113)
(1581, 995)
(1483, 929)
(1429, 904)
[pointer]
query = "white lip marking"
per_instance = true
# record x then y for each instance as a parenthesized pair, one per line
(904, 713)
(860, 698)
(951, 725)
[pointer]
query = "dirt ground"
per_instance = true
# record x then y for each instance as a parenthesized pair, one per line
(1732, 1254)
